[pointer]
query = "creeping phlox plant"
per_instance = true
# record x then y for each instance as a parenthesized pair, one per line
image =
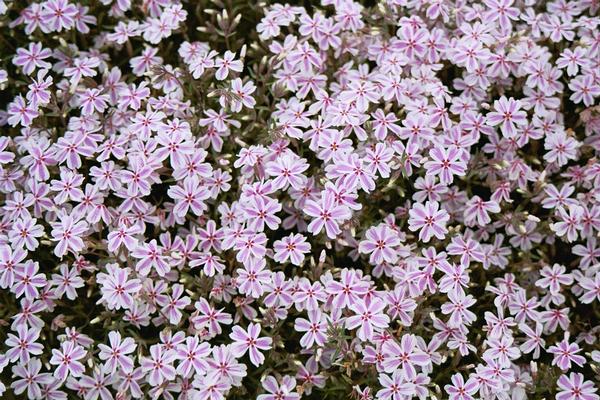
(387, 199)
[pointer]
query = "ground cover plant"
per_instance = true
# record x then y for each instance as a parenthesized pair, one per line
(330, 199)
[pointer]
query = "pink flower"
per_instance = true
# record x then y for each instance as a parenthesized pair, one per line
(348, 290)
(9, 260)
(249, 341)
(68, 232)
(262, 210)
(574, 387)
(446, 163)
(250, 247)
(326, 214)
(124, 235)
(283, 391)
(173, 304)
(31, 379)
(67, 282)
(67, 360)
(455, 279)
(96, 385)
(210, 317)
(501, 11)
(151, 257)
(288, 171)
(93, 101)
(27, 280)
(315, 327)
(502, 350)
(19, 112)
(458, 309)
(23, 345)
(476, 211)
(59, 14)
(189, 196)
(404, 356)
(591, 288)
(459, 390)
(553, 277)
(570, 224)
(429, 219)
(32, 58)
(211, 387)
(561, 148)
(25, 232)
(534, 342)
(379, 243)
(565, 353)
(159, 365)
(241, 95)
(351, 172)
(227, 63)
(117, 289)
(116, 355)
(369, 318)
(291, 247)
(584, 89)
(252, 278)
(192, 355)
(395, 388)
(225, 367)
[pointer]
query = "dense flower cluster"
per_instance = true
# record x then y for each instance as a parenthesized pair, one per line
(390, 200)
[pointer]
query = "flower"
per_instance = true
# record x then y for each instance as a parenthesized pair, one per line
(404, 357)
(565, 353)
(501, 349)
(288, 171)
(315, 328)
(227, 63)
(23, 345)
(117, 289)
(67, 360)
(369, 318)
(429, 219)
(67, 282)
(553, 277)
(380, 242)
(348, 290)
(249, 341)
(223, 365)
(283, 391)
(378, 186)
(31, 379)
(446, 163)
(150, 256)
(460, 390)
(189, 196)
(253, 277)
(27, 280)
(116, 355)
(574, 387)
(158, 366)
(291, 247)
(192, 355)
(173, 304)
(67, 232)
(508, 115)
(326, 214)
(210, 316)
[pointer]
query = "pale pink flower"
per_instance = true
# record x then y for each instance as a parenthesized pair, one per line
(429, 219)
(67, 360)
(291, 247)
(249, 341)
